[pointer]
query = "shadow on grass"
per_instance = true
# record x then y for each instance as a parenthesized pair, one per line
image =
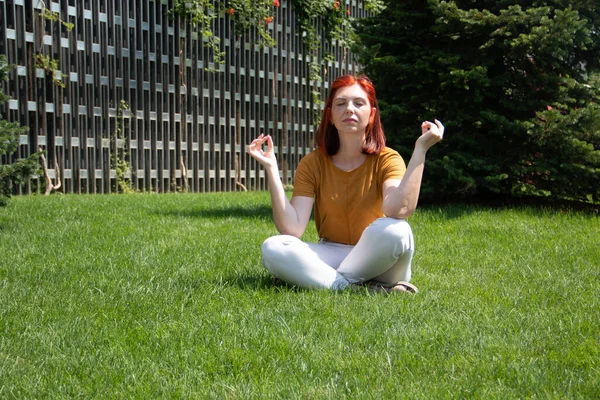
(255, 281)
(246, 280)
(218, 212)
(456, 209)
(252, 281)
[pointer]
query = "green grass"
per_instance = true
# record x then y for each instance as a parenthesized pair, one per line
(164, 296)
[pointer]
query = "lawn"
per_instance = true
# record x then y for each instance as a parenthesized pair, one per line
(164, 296)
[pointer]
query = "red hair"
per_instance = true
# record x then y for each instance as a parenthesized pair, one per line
(327, 138)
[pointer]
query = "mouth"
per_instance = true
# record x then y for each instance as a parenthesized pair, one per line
(349, 120)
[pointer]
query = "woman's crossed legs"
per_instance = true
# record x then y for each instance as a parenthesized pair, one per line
(383, 255)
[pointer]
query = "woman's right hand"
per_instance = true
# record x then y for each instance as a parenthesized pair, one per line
(266, 158)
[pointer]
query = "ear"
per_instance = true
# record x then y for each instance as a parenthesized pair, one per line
(372, 117)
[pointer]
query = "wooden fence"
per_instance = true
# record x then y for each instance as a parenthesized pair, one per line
(132, 100)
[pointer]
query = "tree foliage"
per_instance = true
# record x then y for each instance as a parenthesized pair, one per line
(21, 169)
(514, 82)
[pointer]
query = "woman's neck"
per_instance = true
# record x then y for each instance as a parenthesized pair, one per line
(350, 155)
(351, 144)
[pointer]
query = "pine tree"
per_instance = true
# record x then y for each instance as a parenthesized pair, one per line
(512, 81)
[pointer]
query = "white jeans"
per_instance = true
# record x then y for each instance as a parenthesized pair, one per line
(383, 254)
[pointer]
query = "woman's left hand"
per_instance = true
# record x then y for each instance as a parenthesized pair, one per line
(431, 133)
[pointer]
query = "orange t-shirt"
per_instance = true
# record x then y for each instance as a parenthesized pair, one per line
(346, 202)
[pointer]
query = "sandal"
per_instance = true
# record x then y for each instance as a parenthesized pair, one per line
(398, 287)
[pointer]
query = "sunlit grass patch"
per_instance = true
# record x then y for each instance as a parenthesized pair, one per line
(150, 296)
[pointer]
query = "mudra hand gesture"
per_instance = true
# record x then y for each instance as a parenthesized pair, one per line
(265, 158)
(430, 134)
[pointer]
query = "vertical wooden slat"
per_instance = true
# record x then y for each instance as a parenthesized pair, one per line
(187, 127)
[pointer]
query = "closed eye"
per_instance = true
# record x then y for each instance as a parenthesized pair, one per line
(356, 103)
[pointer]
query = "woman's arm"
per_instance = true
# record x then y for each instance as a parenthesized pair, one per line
(291, 218)
(400, 197)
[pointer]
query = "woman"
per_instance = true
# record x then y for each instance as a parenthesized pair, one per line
(362, 193)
